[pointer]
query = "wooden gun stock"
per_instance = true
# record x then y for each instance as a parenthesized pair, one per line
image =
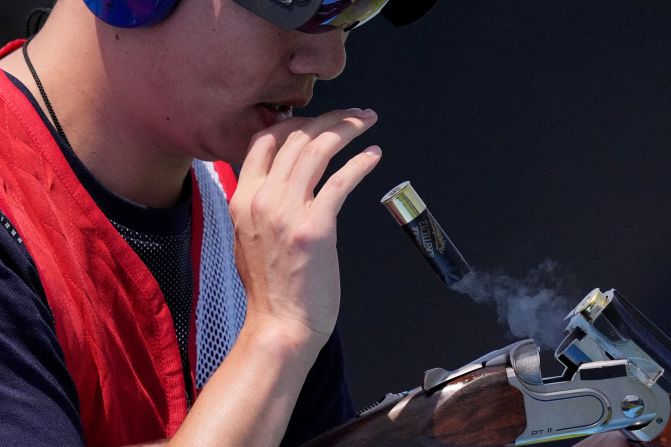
(479, 409)
(664, 439)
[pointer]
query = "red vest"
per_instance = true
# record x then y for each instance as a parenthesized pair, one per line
(111, 319)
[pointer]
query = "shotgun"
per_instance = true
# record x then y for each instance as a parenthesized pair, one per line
(616, 377)
(617, 374)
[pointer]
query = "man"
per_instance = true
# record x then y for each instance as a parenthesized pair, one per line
(101, 125)
(103, 204)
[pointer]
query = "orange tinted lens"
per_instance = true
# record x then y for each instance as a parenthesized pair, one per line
(345, 14)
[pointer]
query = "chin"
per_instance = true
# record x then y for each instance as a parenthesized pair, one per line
(231, 150)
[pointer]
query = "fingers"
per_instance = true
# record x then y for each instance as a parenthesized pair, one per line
(315, 156)
(264, 146)
(259, 160)
(293, 155)
(308, 141)
(285, 238)
(332, 195)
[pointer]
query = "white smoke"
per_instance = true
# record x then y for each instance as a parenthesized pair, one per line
(531, 307)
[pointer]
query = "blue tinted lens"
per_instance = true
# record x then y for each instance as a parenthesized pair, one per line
(344, 14)
(130, 13)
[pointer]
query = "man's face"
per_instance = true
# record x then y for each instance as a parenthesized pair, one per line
(210, 76)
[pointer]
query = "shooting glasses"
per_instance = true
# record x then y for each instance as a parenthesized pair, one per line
(309, 16)
(318, 16)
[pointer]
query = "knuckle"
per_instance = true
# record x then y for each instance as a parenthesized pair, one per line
(303, 237)
(297, 136)
(315, 149)
(306, 236)
(260, 204)
(333, 137)
(361, 162)
(337, 181)
(234, 208)
(278, 221)
(310, 239)
(325, 145)
(312, 150)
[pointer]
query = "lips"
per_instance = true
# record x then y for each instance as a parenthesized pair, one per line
(271, 114)
(275, 112)
(280, 108)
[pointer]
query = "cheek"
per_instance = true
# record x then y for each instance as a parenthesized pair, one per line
(226, 138)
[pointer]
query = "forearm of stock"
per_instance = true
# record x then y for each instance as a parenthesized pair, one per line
(664, 440)
(478, 409)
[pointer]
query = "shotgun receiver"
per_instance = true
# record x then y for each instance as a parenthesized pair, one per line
(616, 377)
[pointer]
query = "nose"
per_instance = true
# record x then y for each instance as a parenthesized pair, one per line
(321, 54)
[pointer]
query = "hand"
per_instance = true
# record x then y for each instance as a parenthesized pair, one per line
(610, 439)
(285, 236)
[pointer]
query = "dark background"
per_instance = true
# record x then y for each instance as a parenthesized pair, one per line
(532, 130)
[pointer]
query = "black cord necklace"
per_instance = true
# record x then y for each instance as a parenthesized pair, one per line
(43, 93)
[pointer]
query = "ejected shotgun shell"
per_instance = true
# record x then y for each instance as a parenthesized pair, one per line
(411, 213)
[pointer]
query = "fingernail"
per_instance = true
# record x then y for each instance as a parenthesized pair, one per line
(373, 151)
(368, 113)
(353, 110)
